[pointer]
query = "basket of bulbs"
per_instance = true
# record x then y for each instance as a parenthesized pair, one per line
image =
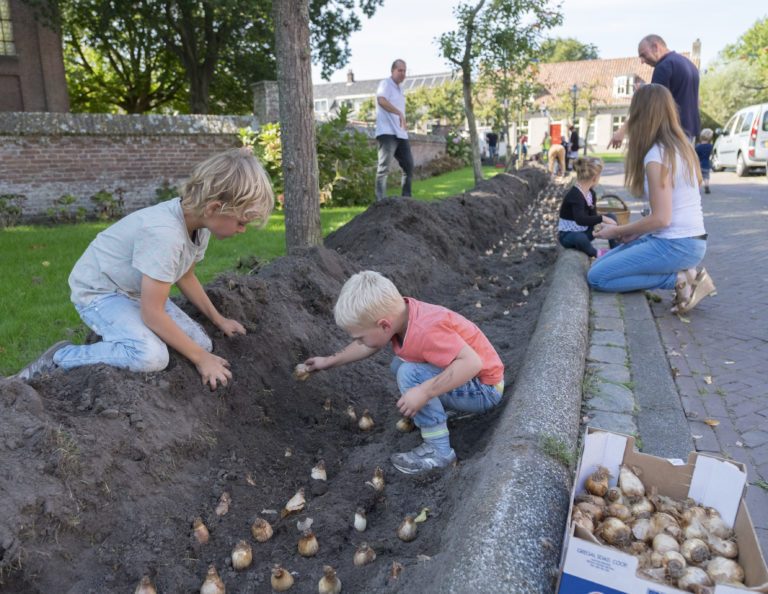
(640, 523)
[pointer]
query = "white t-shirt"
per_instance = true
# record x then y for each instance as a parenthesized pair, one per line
(687, 217)
(152, 241)
(387, 122)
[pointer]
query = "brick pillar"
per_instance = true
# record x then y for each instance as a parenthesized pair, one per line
(265, 101)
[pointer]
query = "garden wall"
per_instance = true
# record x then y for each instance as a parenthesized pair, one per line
(45, 155)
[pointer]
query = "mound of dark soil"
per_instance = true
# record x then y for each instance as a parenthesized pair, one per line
(104, 471)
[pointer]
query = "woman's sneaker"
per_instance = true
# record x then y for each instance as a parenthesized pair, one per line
(421, 459)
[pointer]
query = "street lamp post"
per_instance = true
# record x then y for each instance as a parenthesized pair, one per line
(574, 97)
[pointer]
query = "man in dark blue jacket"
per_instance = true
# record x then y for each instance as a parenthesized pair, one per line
(679, 75)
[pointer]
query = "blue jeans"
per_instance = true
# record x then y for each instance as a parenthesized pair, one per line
(399, 148)
(646, 263)
(578, 240)
(473, 397)
(126, 341)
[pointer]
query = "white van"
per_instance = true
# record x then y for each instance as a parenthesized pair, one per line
(743, 142)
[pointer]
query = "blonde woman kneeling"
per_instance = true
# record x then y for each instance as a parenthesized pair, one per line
(662, 250)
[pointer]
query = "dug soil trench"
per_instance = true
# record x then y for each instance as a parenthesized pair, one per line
(104, 471)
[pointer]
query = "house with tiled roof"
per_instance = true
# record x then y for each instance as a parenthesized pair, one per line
(608, 83)
(329, 97)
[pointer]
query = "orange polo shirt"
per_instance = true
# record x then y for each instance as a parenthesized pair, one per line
(436, 334)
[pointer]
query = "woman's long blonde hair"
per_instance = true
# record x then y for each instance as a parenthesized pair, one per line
(654, 119)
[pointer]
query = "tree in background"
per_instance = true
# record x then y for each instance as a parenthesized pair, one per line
(566, 49)
(297, 125)
(586, 104)
(443, 104)
(739, 77)
(188, 55)
(480, 27)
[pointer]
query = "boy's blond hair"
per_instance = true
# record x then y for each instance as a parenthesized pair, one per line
(366, 298)
(237, 180)
(706, 135)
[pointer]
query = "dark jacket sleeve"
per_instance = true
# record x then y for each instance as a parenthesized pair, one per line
(575, 208)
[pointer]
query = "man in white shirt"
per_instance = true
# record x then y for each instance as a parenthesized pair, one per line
(391, 132)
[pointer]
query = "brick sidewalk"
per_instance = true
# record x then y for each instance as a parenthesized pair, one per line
(719, 352)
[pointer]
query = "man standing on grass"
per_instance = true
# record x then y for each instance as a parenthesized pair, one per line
(679, 75)
(391, 133)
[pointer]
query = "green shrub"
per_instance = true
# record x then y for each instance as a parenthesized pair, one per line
(166, 192)
(458, 146)
(64, 211)
(346, 160)
(107, 206)
(11, 208)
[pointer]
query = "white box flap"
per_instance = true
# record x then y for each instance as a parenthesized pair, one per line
(601, 449)
(719, 484)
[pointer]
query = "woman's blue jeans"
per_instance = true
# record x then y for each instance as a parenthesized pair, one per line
(646, 263)
(473, 397)
(126, 341)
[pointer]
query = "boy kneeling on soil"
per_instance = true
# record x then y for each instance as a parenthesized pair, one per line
(442, 361)
(120, 285)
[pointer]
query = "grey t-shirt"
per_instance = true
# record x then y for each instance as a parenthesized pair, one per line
(152, 241)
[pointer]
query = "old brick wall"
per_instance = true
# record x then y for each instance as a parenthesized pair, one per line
(44, 156)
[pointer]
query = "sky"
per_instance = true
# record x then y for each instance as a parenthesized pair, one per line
(407, 29)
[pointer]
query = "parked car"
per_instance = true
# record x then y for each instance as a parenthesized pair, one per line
(743, 142)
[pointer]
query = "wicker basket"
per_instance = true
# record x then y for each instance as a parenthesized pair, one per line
(611, 203)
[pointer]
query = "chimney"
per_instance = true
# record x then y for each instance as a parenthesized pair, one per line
(696, 53)
(350, 77)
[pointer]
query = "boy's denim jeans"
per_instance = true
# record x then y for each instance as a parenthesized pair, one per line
(646, 263)
(126, 341)
(473, 397)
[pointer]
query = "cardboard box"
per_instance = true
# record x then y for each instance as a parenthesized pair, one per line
(589, 567)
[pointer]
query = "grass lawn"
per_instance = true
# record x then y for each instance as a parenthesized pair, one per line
(609, 157)
(37, 261)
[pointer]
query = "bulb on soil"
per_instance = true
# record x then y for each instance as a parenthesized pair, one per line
(212, 583)
(261, 530)
(629, 483)
(318, 471)
(304, 525)
(327, 404)
(200, 531)
(395, 571)
(308, 545)
(145, 586)
(407, 529)
(364, 555)
(281, 579)
(694, 576)
(223, 506)
(329, 583)
(295, 504)
(695, 550)
(242, 555)
(288, 452)
(377, 482)
(405, 425)
(361, 521)
(301, 372)
(597, 482)
(423, 515)
(351, 414)
(366, 421)
(725, 571)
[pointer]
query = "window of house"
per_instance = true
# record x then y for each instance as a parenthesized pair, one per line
(618, 122)
(623, 86)
(592, 133)
(7, 46)
(320, 104)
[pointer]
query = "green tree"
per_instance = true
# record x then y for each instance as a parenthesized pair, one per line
(586, 104)
(752, 48)
(145, 55)
(729, 85)
(566, 49)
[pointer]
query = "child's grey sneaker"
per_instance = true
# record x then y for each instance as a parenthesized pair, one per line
(43, 364)
(421, 459)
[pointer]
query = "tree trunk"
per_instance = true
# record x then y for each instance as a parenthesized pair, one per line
(297, 125)
(466, 83)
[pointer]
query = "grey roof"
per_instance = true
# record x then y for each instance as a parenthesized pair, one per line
(368, 87)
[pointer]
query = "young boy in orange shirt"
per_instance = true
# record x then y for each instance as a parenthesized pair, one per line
(442, 361)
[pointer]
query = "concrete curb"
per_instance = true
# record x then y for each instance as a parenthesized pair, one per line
(508, 534)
